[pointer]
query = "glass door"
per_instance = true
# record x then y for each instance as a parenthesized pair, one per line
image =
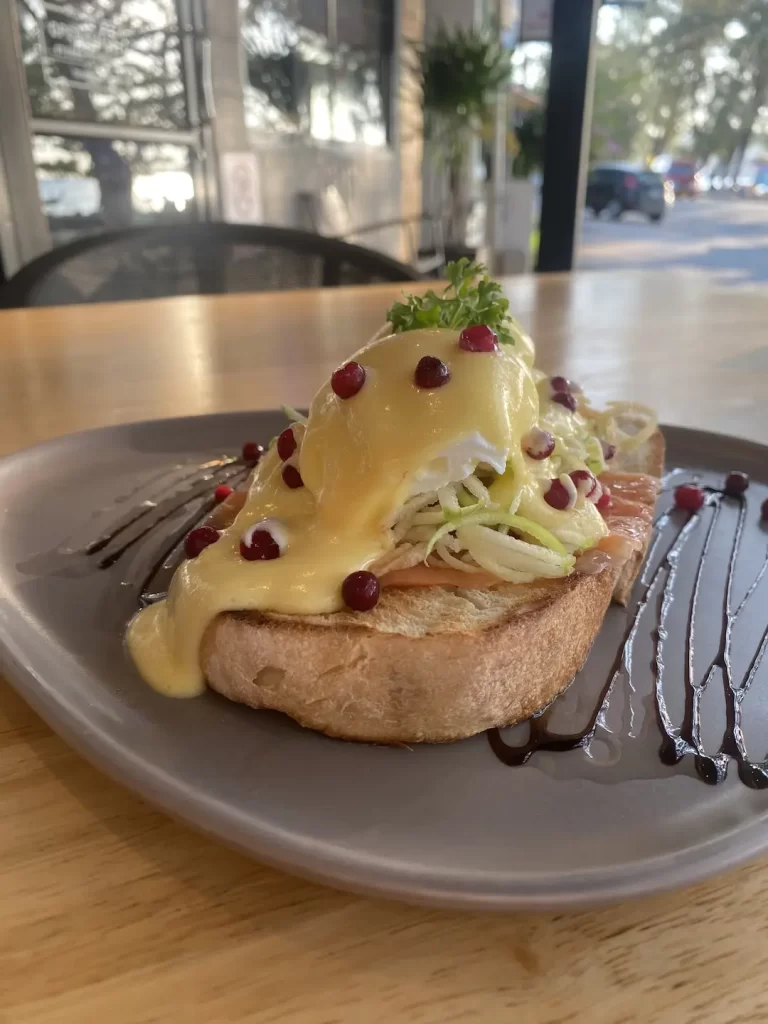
(117, 112)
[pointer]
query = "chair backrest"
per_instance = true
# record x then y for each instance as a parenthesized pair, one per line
(194, 259)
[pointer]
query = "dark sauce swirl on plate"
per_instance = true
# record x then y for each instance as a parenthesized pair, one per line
(658, 588)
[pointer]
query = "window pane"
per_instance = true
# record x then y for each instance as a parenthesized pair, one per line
(287, 59)
(358, 99)
(91, 185)
(104, 61)
(365, 24)
(300, 83)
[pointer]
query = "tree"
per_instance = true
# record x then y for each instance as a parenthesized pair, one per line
(699, 81)
(621, 92)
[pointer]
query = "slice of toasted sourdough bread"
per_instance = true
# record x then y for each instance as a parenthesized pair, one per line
(428, 664)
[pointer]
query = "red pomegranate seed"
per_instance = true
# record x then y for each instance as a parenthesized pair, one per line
(689, 497)
(252, 452)
(565, 398)
(431, 372)
(538, 444)
(586, 482)
(258, 544)
(348, 379)
(198, 540)
(361, 591)
(222, 492)
(736, 483)
(558, 496)
(764, 511)
(603, 503)
(286, 444)
(292, 477)
(609, 450)
(559, 384)
(478, 338)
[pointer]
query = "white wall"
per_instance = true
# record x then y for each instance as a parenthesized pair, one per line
(367, 178)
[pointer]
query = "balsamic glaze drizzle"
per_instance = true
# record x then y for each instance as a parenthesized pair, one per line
(152, 585)
(686, 740)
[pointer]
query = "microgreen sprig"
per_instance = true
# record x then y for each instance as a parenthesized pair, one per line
(471, 297)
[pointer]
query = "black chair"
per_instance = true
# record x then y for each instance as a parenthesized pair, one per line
(194, 259)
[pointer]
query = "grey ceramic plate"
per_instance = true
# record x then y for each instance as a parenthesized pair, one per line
(447, 825)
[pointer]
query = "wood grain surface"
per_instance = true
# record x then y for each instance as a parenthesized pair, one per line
(111, 912)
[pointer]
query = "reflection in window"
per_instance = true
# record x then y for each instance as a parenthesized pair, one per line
(89, 185)
(104, 61)
(317, 68)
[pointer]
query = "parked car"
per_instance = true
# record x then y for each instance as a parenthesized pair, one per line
(619, 188)
(756, 186)
(682, 175)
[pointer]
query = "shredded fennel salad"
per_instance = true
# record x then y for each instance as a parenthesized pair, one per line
(475, 525)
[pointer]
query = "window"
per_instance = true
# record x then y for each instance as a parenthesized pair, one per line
(319, 68)
(89, 185)
(107, 61)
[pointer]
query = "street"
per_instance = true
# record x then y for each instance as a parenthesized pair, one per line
(725, 236)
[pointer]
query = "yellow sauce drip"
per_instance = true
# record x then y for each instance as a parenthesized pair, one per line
(359, 459)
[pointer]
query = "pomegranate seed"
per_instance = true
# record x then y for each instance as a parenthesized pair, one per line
(222, 492)
(609, 450)
(259, 544)
(292, 477)
(689, 497)
(764, 511)
(558, 496)
(252, 452)
(348, 379)
(198, 540)
(286, 444)
(478, 338)
(559, 384)
(431, 372)
(565, 398)
(361, 591)
(538, 444)
(586, 482)
(736, 484)
(603, 503)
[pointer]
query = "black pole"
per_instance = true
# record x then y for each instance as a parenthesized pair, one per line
(567, 120)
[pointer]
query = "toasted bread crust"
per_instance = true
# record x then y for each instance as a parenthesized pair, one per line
(365, 682)
(648, 459)
(430, 664)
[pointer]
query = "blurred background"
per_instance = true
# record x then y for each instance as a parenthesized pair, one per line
(538, 134)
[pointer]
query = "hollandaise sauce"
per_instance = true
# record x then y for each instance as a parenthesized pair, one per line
(332, 503)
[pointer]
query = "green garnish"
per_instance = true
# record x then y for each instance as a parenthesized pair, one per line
(470, 298)
(491, 517)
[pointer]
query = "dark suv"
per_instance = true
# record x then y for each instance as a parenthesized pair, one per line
(617, 188)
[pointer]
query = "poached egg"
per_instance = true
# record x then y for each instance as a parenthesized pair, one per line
(360, 459)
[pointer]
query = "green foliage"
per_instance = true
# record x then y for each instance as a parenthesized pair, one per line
(676, 75)
(470, 298)
(459, 71)
(621, 94)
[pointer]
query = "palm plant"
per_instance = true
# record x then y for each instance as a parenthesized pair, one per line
(458, 72)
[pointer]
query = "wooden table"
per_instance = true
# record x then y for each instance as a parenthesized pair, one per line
(110, 912)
